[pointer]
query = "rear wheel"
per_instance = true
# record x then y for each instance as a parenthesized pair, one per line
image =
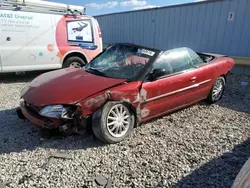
(217, 90)
(114, 123)
(74, 61)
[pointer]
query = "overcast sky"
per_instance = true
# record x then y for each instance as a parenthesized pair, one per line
(97, 7)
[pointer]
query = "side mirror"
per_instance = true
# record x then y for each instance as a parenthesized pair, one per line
(157, 73)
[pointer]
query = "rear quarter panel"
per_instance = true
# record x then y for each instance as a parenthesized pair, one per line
(223, 65)
(209, 72)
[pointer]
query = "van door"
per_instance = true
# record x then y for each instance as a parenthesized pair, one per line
(42, 43)
(13, 39)
(13, 50)
(28, 41)
(1, 48)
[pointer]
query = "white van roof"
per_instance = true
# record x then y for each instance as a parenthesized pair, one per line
(42, 6)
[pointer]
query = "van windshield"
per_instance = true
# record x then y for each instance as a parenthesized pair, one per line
(120, 61)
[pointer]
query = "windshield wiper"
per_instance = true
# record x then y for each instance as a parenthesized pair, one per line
(96, 71)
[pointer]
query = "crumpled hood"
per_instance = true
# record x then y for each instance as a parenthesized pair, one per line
(65, 86)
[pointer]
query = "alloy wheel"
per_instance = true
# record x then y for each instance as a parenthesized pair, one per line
(118, 120)
(217, 90)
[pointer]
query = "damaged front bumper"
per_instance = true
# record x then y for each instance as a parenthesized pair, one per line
(37, 119)
(75, 125)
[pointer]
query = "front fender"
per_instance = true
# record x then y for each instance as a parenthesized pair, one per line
(93, 103)
(128, 93)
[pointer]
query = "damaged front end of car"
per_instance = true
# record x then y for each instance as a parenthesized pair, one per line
(65, 117)
(69, 116)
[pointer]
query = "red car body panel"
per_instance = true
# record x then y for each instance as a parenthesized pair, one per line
(66, 86)
(177, 91)
(172, 92)
(148, 99)
(127, 92)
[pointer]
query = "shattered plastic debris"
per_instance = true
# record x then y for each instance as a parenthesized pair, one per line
(57, 155)
(109, 184)
(101, 180)
(61, 155)
(2, 185)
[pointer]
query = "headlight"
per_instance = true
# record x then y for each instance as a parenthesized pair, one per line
(57, 111)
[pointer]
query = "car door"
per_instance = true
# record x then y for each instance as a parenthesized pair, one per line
(170, 91)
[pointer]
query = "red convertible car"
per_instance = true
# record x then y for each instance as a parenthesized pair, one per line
(123, 86)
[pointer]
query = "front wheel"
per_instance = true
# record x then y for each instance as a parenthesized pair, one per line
(217, 90)
(114, 123)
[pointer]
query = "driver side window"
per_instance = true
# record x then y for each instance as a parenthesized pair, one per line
(174, 61)
(163, 63)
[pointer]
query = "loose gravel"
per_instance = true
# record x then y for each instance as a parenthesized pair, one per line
(200, 146)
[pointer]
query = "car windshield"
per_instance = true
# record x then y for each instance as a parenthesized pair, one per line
(120, 61)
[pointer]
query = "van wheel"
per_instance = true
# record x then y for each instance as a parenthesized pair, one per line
(74, 61)
(113, 123)
(217, 90)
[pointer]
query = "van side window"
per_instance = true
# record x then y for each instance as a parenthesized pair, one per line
(80, 31)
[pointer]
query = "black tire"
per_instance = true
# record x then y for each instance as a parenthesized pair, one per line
(74, 59)
(100, 127)
(210, 98)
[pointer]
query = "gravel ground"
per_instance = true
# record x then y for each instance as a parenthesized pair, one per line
(200, 146)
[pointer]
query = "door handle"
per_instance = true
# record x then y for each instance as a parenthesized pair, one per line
(193, 79)
(8, 39)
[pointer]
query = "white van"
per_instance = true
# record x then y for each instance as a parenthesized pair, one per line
(40, 35)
